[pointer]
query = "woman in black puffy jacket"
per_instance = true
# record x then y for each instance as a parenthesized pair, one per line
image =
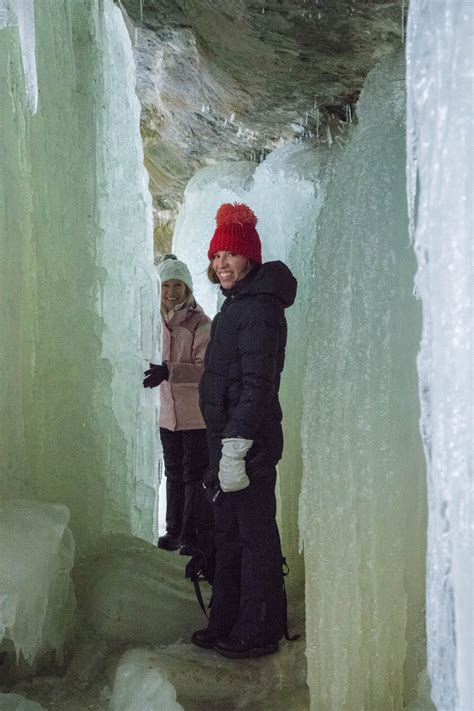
(239, 402)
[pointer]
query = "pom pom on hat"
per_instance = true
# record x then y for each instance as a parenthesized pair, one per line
(235, 232)
(235, 213)
(172, 268)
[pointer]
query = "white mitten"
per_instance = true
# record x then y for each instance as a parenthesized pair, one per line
(232, 474)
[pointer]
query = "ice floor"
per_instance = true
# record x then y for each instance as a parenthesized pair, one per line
(204, 681)
(132, 596)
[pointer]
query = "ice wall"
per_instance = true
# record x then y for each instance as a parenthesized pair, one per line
(128, 302)
(36, 596)
(440, 60)
(338, 216)
(130, 592)
(362, 504)
(78, 289)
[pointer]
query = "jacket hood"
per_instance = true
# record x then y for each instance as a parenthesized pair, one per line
(270, 278)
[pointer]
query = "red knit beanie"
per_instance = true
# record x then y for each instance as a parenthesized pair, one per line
(235, 232)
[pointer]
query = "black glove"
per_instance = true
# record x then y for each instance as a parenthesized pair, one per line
(155, 375)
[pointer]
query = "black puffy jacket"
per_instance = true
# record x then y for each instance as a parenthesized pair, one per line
(243, 364)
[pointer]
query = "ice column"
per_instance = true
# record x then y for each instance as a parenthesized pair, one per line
(363, 499)
(440, 189)
(128, 301)
(78, 291)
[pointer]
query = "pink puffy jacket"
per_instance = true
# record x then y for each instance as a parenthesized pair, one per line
(185, 339)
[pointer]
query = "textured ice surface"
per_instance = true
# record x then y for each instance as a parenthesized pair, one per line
(7, 13)
(78, 286)
(204, 681)
(141, 686)
(422, 701)
(36, 596)
(21, 14)
(87, 663)
(440, 52)
(26, 26)
(15, 702)
(130, 591)
(128, 301)
(362, 503)
(338, 217)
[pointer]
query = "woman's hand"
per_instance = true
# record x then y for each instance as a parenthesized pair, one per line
(232, 474)
(155, 375)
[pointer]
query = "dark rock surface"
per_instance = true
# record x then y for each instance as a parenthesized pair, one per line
(233, 79)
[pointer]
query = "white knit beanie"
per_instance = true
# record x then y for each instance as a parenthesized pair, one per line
(172, 268)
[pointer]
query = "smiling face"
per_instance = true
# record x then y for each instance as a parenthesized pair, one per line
(230, 268)
(173, 292)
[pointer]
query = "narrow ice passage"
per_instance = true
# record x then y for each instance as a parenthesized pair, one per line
(78, 441)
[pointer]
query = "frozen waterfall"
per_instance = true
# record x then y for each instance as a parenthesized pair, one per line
(440, 53)
(350, 405)
(78, 310)
(78, 283)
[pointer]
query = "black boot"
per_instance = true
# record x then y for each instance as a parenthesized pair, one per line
(238, 649)
(204, 638)
(168, 542)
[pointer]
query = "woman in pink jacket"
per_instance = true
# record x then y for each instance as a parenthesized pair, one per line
(186, 331)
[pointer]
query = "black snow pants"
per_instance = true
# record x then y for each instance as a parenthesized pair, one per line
(186, 458)
(248, 599)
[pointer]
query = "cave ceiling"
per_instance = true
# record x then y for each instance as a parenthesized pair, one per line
(231, 80)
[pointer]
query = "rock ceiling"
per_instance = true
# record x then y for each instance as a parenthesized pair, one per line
(233, 79)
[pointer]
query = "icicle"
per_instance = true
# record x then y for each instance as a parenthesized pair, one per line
(297, 127)
(403, 21)
(26, 26)
(21, 13)
(439, 191)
